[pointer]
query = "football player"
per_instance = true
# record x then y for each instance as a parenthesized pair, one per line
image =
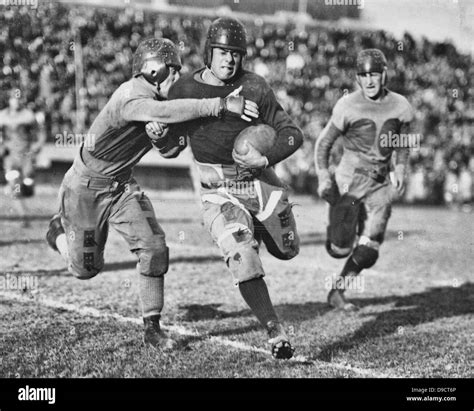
(243, 201)
(360, 193)
(22, 135)
(99, 190)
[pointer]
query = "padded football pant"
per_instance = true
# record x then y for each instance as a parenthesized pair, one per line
(366, 218)
(90, 203)
(239, 221)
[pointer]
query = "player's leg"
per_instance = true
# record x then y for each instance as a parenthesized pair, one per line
(232, 229)
(27, 187)
(134, 218)
(344, 217)
(16, 164)
(276, 224)
(79, 231)
(28, 182)
(375, 213)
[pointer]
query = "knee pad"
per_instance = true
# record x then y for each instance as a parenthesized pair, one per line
(337, 252)
(244, 263)
(153, 262)
(365, 256)
(54, 230)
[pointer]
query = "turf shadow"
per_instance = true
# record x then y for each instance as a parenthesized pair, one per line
(287, 312)
(22, 241)
(125, 265)
(29, 217)
(319, 238)
(40, 272)
(410, 310)
(199, 312)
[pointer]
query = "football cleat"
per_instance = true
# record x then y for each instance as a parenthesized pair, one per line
(155, 337)
(281, 346)
(55, 228)
(337, 300)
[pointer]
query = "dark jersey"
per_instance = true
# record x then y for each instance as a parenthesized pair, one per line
(212, 139)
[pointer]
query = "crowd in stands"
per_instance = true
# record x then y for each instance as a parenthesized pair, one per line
(309, 70)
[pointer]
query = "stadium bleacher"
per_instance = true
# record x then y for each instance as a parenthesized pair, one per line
(308, 69)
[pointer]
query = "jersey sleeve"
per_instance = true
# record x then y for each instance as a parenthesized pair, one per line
(408, 113)
(139, 106)
(324, 143)
(338, 117)
(289, 136)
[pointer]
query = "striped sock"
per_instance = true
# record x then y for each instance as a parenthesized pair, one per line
(151, 294)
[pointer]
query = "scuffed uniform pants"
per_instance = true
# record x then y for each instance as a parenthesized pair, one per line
(361, 209)
(90, 203)
(239, 217)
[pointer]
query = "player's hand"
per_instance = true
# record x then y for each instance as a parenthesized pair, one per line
(237, 104)
(156, 130)
(251, 159)
(326, 189)
(398, 178)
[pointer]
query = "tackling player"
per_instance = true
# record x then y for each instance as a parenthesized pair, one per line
(99, 190)
(359, 193)
(22, 135)
(243, 201)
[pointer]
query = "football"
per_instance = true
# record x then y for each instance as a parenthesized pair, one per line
(261, 137)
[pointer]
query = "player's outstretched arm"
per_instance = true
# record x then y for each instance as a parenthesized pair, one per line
(145, 109)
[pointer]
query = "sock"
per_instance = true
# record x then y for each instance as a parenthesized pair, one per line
(350, 269)
(255, 294)
(151, 294)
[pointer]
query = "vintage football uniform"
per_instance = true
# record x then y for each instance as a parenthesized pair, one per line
(241, 207)
(99, 190)
(364, 193)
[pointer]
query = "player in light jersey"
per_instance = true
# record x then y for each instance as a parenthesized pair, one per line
(22, 135)
(360, 193)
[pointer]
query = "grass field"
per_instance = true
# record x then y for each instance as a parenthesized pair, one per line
(416, 318)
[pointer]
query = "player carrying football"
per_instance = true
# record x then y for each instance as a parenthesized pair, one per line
(99, 190)
(244, 202)
(359, 193)
(22, 135)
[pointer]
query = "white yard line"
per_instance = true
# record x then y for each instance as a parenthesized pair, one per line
(93, 312)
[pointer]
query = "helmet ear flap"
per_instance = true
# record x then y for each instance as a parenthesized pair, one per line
(384, 76)
(155, 71)
(208, 61)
